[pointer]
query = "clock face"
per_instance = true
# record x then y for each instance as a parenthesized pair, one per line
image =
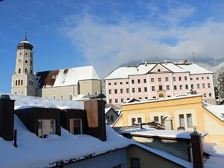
(19, 61)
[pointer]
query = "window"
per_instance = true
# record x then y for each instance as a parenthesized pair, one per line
(112, 118)
(156, 119)
(16, 82)
(160, 87)
(197, 78)
(26, 61)
(139, 120)
(189, 121)
(19, 70)
(116, 101)
(159, 70)
(210, 95)
(26, 53)
(175, 87)
(198, 86)
(180, 87)
(115, 91)
(162, 120)
(144, 80)
(152, 79)
(135, 162)
(192, 86)
(139, 89)
(109, 83)
(207, 77)
(174, 79)
(127, 90)
(133, 121)
(185, 78)
(153, 97)
(115, 83)
(167, 87)
(121, 90)
(109, 91)
(46, 127)
(186, 86)
(70, 97)
(126, 82)
(138, 80)
(204, 94)
(191, 78)
(153, 88)
(76, 126)
(179, 78)
(110, 100)
(166, 78)
(133, 90)
(181, 120)
(25, 70)
(117, 166)
(159, 79)
(209, 85)
(203, 85)
(21, 82)
(122, 100)
(128, 99)
(202, 78)
(121, 83)
(146, 97)
(132, 81)
(145, 89)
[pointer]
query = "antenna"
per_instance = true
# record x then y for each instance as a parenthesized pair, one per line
(193, 54)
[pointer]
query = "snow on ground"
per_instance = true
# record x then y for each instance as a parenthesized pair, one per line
(216, 160)
(33, 152)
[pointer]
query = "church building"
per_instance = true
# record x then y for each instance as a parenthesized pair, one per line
(62, 84)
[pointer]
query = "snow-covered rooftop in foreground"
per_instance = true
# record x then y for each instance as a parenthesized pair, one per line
(124, 72)
(30, 101)
(33, 152)
(217, 110)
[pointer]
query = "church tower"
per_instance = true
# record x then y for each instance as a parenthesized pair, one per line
(23, 80)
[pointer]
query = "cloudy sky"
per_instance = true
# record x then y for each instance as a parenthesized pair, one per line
(108, 33)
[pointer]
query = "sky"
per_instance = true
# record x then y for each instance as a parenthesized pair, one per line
(108, 33)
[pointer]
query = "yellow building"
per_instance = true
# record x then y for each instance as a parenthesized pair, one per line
(183, 112)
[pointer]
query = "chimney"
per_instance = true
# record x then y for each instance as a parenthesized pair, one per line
(197, 149)
(6, 117)
(95, 111)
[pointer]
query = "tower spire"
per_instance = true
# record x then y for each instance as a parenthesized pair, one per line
(25, 36)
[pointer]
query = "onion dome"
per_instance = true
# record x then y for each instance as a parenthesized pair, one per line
(25, 44)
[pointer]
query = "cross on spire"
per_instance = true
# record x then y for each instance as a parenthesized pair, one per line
(25, 36)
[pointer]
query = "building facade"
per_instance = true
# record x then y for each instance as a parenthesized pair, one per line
(177, 113)
(64, 84)
(158, 80)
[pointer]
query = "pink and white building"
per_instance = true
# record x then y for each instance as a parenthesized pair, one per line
(158, 80)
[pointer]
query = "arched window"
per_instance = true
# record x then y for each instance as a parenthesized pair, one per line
(21, 82)
(25, 70)
(18, 82)
(19, 70)
(26, 61)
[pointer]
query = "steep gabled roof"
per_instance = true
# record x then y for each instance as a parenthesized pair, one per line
(65, 77)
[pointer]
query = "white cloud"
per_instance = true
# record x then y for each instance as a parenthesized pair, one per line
(108, 45)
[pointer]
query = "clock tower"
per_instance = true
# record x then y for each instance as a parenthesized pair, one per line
(23, 79)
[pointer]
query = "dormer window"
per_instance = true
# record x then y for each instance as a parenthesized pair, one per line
(46, 127)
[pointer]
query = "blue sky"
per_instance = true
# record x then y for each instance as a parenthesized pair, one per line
(108, 33)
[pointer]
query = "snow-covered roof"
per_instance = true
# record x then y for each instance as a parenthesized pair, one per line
(159, 133)
(65, 77)
(195, 69)
(217, 110)
(22, 102)
(34, 152)
(164, 99)
(124, 72)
